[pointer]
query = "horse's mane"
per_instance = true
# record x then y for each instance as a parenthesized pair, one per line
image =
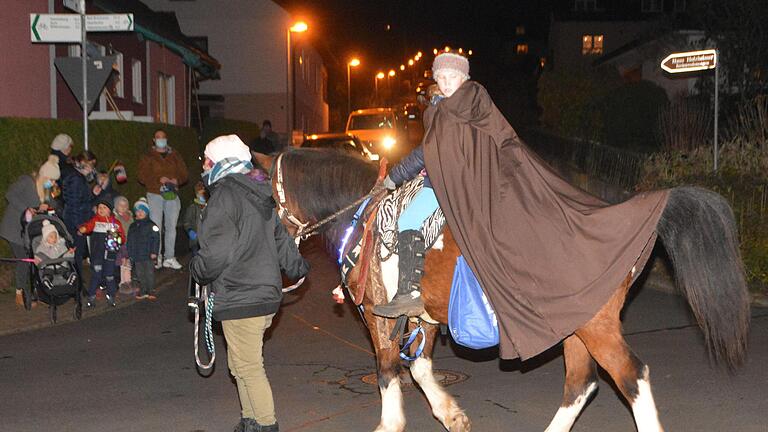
(323, 181)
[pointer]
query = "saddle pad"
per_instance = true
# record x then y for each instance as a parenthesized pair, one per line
(390, 209)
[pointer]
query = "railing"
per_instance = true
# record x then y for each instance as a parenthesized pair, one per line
(614, 166)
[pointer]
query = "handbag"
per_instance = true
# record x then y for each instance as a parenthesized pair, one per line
(471, 318)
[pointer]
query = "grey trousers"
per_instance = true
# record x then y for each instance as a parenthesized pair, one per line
(143, 272)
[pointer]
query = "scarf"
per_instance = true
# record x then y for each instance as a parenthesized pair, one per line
(226, 167)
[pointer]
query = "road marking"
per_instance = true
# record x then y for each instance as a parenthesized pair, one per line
(339, 338)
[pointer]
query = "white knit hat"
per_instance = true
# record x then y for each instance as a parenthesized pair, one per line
(61, 142)
(227, 146)
(451, 61)
(48, 228)
(50, 169)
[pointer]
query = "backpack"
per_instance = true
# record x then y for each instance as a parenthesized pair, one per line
(471, 319)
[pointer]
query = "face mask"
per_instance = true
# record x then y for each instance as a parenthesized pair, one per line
(48, 184)
(161, 143)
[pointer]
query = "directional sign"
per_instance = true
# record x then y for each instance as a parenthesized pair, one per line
(54, 28)
(99, 69)
(690, 61)
(109, 22)
(75, 5)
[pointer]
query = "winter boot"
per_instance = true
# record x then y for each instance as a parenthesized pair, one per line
(407, 300)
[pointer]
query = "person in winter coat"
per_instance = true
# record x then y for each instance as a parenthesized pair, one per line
(411, 248)
(143, 241)
(25, 196)
(124, 215)
(107, 237)
(193, 215)
(52, 246)
(243, 248)
(162, 171)
(79, 201)
(61, 146)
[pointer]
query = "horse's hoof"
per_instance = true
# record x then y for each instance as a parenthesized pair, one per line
(460, 423)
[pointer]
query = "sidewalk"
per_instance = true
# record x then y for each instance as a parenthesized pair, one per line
(14, 319)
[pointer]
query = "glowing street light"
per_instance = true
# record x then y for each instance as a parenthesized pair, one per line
(355, 62)
(391, 72)
(299, 27)
(402, 67)
(469, 52)
(376, 79)
(410, 62)
(290, 82)
(434, 51)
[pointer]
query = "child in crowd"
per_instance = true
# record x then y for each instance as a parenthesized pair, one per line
(107, 236)
(52, 246)
(124, 215)
(143, 242)
(193, 215)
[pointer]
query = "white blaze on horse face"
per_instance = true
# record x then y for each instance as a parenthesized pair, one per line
(444, 407)
(644, 408)
(566, 416)
(392, 415)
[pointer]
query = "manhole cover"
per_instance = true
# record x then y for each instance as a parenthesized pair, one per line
(444, 376)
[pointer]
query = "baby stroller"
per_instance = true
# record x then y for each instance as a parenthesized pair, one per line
(54, 281)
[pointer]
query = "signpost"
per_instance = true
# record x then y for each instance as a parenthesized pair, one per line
(64, 28)
(693, 61)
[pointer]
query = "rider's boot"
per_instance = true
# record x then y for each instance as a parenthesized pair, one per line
(407, 301)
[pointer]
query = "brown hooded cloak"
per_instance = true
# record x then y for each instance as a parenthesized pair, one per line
(548, 255)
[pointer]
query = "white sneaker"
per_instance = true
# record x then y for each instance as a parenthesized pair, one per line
(172, 263)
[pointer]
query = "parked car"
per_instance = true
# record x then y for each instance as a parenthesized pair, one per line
(339, 141)
(380, 130)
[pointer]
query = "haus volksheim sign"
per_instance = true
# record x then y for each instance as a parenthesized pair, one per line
(690, 61)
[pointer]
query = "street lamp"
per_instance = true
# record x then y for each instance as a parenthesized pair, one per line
(376, 79)
(391, 74)
(290, 82)
(355, 62)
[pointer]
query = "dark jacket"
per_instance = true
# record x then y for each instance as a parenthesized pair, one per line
(243, 248)
(21, 195)
(409, 168)
(191, 220)
(143, 240)
(65, 166)
(78, 201)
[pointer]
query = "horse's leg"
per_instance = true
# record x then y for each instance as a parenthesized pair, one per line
(444, 406)
(580, 384)
(392, 414)
(602, 337)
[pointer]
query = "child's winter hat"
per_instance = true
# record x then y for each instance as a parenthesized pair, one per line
(105, 202)
(452, 61)
(141, 204)
(61, 142)
(48, 228)
(50, 169)
(119, 199)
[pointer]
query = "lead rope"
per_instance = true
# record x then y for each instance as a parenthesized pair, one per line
(208, 335)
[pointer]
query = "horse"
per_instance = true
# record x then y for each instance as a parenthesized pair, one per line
(697, 229)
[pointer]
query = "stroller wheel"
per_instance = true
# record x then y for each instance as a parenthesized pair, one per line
(78, 310)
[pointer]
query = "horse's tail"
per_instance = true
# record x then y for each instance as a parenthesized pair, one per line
(699, 232)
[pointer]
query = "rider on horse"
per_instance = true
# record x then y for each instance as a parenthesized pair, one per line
(450, 71)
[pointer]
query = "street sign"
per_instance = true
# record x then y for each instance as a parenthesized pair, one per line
(690, 61)
(109, 22)
(75, 5)
(48, 28)
(99, 69)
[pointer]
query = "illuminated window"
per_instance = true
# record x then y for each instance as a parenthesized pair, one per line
(592, 44)
(521, 49)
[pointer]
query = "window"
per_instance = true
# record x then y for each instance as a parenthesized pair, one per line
(679, 6)
(120, 77)
(73, 50)
(651, 6)
(166, 98)
(588, 5)
(521, 49)
(136, 88)
(592, 45)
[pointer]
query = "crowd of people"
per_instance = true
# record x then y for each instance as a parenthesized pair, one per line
(121, 244)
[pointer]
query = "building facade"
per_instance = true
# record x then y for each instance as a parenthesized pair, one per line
(153, 75)
(268, 72)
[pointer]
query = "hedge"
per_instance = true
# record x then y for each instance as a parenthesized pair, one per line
(25, 145)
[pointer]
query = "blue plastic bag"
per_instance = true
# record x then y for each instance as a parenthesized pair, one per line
(471, 319)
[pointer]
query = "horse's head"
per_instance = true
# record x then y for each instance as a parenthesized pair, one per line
(312, 184)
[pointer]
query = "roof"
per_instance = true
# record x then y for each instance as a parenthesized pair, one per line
(163, 28)
(372, 111)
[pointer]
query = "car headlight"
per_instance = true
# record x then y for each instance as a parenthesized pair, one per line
(373, 156)
(388, 142)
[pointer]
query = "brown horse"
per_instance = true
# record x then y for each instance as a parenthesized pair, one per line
(698, 232)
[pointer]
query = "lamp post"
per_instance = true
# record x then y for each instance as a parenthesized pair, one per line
(391, 74)
(290, 82)
(355, 62)
(376, 79)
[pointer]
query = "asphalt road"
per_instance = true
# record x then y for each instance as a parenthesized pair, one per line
(132, 370)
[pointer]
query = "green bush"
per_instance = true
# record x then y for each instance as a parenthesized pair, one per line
(25, 145)
(631, 114)
(214, 127)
